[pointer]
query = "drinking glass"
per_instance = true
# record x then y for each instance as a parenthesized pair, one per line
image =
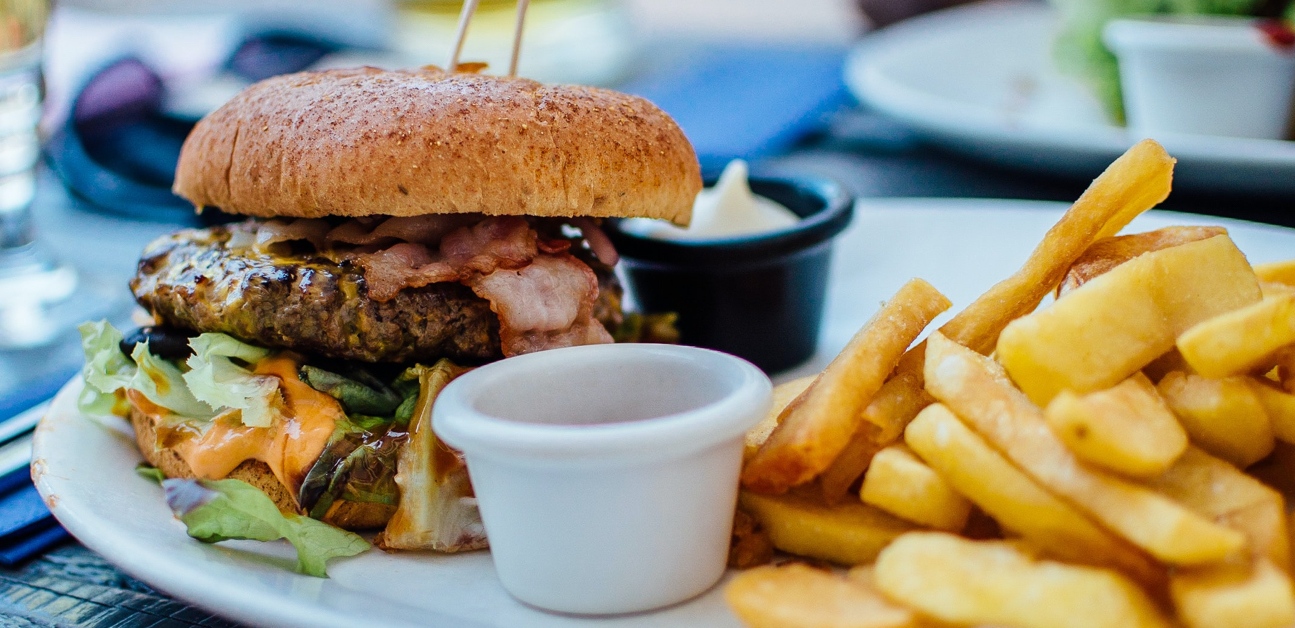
(31, 280)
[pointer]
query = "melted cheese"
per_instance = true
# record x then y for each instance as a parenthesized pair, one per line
(289, 447)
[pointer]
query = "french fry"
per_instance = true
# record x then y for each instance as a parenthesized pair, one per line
(864, 575)
(848, 534)
(1267, 526)
(1224, 416)
(1106, 254)
(1101, 333)
(1126, 428)
(977, 390)
(1219, 491)
(1273, 289)
(883, 422)
(783, 395)
(986, 582)
(1279, 405)
(799, 596)
(902, 485)
(902, 395)
(1139, 180)
(1277, 272)
(1016, 501)
(836, 480)
(1241, 341)
(815, 427)
(1254, 595)
(1286, 370)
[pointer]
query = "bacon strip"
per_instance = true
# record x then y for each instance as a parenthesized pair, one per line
(544, 305)
(401, 266)
(415, 229)
(507, 242)
(477, 249)
(311, 230)
(599, 243)
(544, 296)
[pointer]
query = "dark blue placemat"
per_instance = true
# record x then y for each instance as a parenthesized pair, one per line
(748, 102)
(26, 397)
(26, 526)
(11, 482)
(21, 511)
(19, 548)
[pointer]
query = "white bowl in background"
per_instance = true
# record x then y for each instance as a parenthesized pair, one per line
(1214, 75)
(606, 475)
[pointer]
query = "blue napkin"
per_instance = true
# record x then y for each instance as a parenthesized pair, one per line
(21, 509)
(20, 548)
(749, 102)
(27, 528)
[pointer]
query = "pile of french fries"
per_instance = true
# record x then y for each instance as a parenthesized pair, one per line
(1105, 460)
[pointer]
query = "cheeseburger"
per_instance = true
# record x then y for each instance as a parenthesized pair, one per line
(402, 226)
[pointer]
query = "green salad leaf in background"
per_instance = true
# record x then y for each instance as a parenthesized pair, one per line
(1079, 49)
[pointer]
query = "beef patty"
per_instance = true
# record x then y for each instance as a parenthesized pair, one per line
(310, 303)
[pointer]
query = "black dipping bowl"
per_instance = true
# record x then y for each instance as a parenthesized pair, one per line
(760, 296)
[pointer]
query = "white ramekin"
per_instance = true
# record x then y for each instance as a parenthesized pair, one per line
(1203, 75)
(606, 475)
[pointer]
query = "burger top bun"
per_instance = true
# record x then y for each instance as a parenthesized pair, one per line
(365, 141)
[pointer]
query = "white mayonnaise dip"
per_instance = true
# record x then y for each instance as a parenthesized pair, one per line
(725, 210)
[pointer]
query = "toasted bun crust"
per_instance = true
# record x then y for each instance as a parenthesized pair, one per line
(365, 141)
(343, 514)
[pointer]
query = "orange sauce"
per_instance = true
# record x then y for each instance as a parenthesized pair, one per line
(289, 447)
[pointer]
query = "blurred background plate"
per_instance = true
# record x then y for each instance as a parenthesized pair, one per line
(979, 80)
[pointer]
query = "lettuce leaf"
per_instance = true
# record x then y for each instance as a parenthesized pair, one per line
(1079, 49)
(214, 378)
(149, 472)
(161, 382)
(359, 392)
(434, 512)
(220, 510)
(1214, 7)
(356, 466)
(106, 369)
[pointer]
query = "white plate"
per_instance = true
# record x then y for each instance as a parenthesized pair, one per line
(85, 469)
(980, 80)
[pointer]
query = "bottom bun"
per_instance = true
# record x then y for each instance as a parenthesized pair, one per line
(343, 514)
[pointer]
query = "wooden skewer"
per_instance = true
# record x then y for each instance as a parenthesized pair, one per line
(465, 16)
(517, 36)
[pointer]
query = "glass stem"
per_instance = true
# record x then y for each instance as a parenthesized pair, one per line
(15, 229)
